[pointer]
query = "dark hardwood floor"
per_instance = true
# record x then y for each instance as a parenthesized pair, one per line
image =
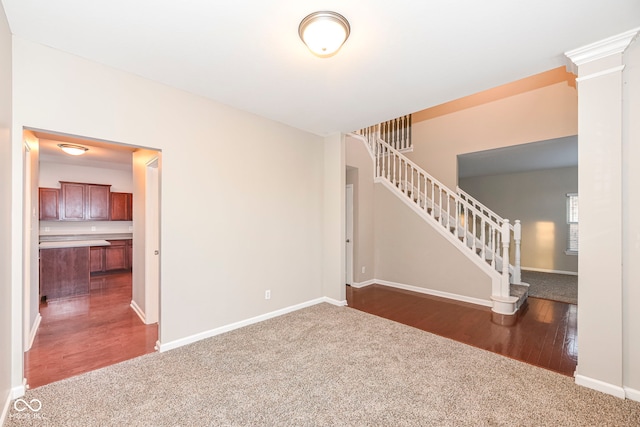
(544, 333)
(88, 332)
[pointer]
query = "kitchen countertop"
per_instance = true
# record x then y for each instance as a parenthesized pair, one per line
(81, 237)
(73, 244)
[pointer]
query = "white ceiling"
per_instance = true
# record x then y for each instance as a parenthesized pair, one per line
(100, 154)
(402, 56)
(550, 154)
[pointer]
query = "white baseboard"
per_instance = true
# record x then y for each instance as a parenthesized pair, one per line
(601, 386)
(544, 270)
(162, 347)
(5, 409)
(632, 394)
(363, 284)
(20, 390)
(138, 311)
(472, 300)
(335, 302)
(13, 394)
(33, 332)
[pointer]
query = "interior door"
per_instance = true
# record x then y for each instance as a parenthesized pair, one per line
(349, 235)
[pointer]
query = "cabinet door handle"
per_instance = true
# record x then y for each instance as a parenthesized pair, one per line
(156, 252)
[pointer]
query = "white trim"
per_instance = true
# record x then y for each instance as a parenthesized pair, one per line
(600, 73)
(603, 48)
(545, 270)
(442, 294)
(601, 386)
(138, 311)
(5, 409)
(33, 332)
(363, 284)
(162, 347)
(20, 390)
(632, 394)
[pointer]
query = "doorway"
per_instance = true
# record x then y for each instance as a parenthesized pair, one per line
(112, 296)
(349, 234)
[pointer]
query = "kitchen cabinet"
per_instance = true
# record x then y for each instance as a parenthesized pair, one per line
(96, 255)
(64, 272)
(49, 204)
(121, 207)
(117, 256)
(84, 202)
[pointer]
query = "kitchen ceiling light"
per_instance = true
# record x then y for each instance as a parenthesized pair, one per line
(324, 32)
(74, 150)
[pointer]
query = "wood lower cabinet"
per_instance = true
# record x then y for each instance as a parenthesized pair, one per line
(64, 272)
(115, 257)
(97, 259)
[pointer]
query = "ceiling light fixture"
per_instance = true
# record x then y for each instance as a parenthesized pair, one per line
(324, 33)
(74, 150)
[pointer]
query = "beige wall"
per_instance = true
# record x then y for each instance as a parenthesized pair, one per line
(536, 115)
(6, 317)
(51, 173)
(538, 200)
(226, 236)
(630, 223)
(360, 175)
(411, 252)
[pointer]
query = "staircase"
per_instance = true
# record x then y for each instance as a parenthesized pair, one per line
(484, 236)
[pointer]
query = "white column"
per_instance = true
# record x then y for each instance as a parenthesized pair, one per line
(600, 328)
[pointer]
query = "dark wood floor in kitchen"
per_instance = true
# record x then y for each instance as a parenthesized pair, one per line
(84, 333)
(544, 332)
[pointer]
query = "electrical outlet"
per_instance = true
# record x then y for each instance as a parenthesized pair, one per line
(363, 268)
(267, 294)
(93, 228)
(47, 229)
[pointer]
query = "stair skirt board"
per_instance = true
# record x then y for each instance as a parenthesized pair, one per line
(427, 291)
(545, 270)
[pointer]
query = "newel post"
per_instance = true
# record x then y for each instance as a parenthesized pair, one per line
(506, 237)
(517, 237)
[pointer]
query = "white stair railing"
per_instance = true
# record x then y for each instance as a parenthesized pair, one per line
(396, 132)
(515, 231)
(483, 232)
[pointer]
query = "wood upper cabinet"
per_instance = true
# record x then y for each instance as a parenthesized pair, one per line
(49, 204)
(84, 202)
(121, 207)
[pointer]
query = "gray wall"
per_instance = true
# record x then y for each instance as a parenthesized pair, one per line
(410, 251)
(538, 200)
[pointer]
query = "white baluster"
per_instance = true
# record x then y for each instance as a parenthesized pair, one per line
(483, 253)
(517, 237)
(506, 234)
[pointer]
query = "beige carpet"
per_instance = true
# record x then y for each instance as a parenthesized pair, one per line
(324, 366)
(556, 287)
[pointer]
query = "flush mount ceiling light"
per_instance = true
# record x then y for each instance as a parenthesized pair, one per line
(74, 150)
(324, 32)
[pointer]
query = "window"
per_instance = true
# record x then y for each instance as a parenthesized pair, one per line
(572, 220)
